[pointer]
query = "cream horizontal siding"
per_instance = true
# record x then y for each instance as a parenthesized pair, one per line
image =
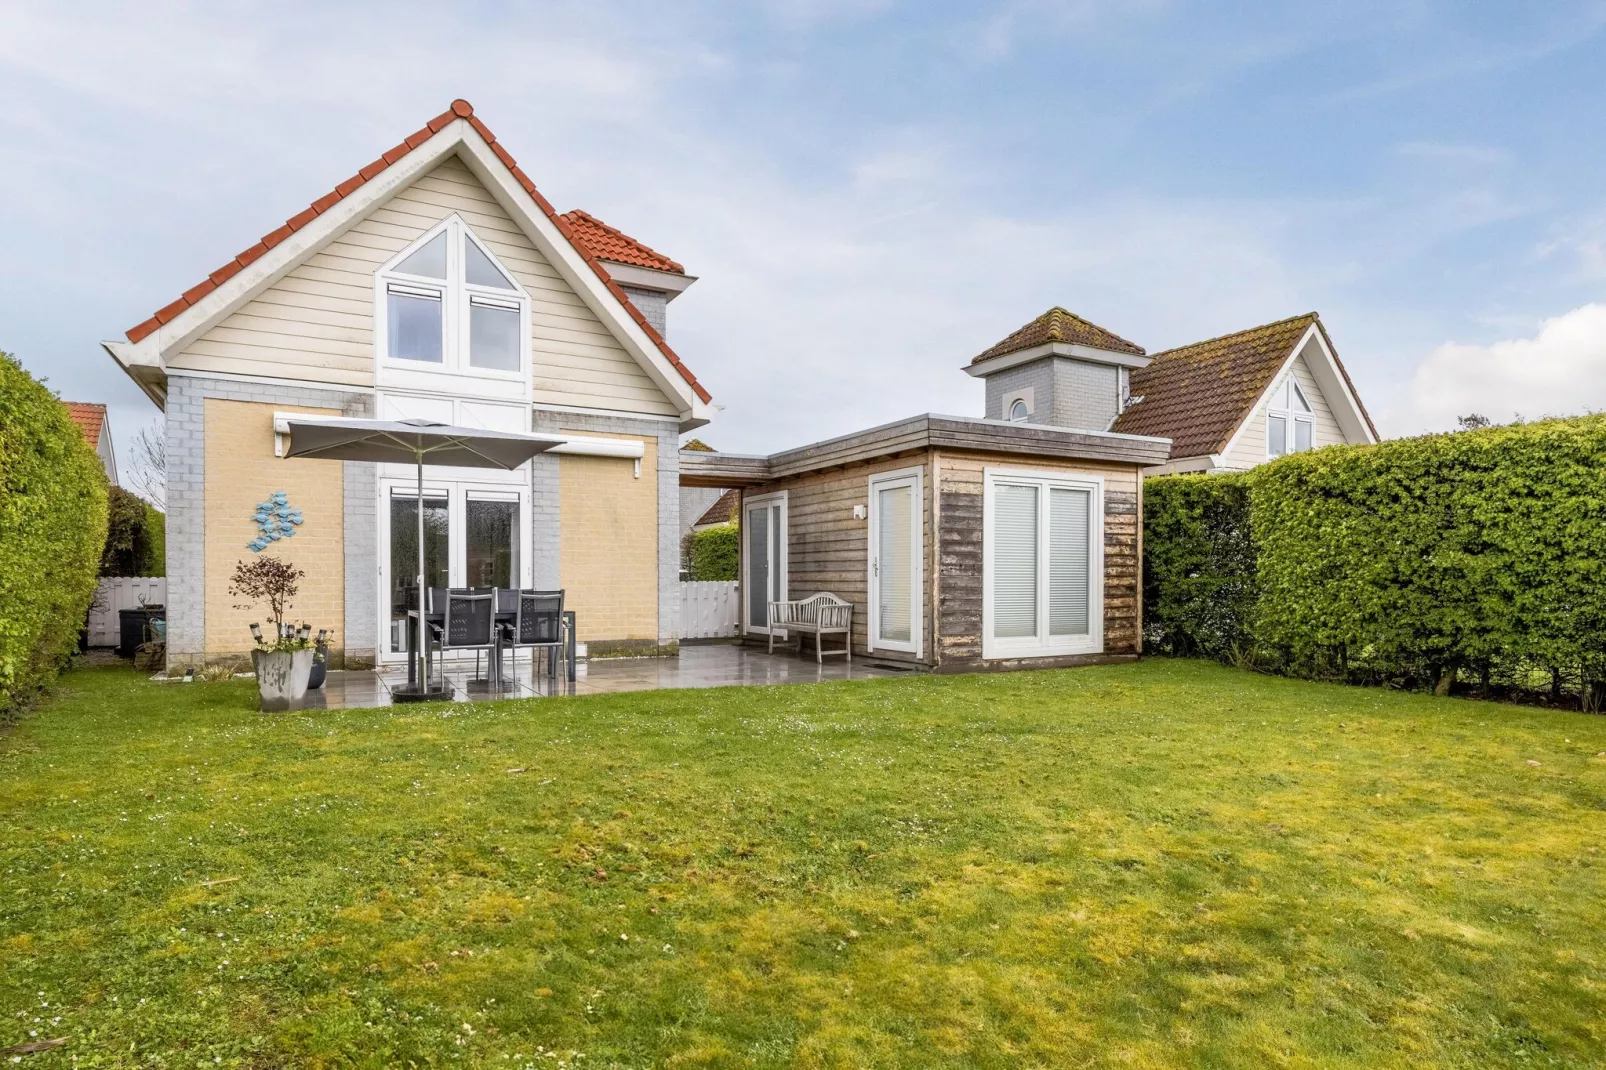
(1250, 449)
(317, 323)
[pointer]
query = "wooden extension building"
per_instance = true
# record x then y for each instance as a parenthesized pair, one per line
(963, 543)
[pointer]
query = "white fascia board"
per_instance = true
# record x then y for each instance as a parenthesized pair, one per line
(179, 333)
(668, 283)
(1334, 386)
(1056, 349)
(147, 370)
(576, 272)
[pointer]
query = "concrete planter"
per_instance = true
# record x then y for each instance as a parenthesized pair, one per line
(281, 677)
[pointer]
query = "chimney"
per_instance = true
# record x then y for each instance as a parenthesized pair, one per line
(1059, 370)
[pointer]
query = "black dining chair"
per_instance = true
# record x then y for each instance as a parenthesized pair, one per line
(538, 624)
(469, 624)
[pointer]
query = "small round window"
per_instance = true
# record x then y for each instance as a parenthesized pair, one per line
(1018, 412)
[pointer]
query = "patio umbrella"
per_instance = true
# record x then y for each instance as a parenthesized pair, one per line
(416, 442)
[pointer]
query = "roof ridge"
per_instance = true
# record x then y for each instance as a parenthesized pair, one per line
(616, 232)
(1049, 326)
(1235, 334)
(459, 109)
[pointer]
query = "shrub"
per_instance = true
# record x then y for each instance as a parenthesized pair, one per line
(1419, 562)
(716, 553)
(1198, 566)
(52, 531)
(134, 536)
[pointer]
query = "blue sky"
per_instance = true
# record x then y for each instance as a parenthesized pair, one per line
(870, 193)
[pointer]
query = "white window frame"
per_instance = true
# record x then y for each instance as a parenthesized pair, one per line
(1290, 415)
(456, 293)
(1044, 645)
(913, 478)
(1025, 395)
(783, 584)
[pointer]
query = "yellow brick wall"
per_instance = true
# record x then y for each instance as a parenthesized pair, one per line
(241, 471)
(609, 544)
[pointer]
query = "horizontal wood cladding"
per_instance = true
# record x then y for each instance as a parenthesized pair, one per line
(829, 550)
(316, 323)
(959, 486)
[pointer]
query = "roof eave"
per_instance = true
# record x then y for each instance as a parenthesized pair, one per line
(992, 365)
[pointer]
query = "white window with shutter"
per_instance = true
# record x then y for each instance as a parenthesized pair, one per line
(1043, 564)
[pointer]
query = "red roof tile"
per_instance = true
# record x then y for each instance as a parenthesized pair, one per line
(460, 109)
(610, 243)
(89, 417)
(1058, 325)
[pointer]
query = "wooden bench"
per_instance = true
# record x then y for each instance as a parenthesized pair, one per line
(820, 615)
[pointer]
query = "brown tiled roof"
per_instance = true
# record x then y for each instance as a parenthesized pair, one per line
(1058, 325)
(1198, 395)
(610, 243)
(90, 418)
(460, 109)
(723, 511)
(697, 445)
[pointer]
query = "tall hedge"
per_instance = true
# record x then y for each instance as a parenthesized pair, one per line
(716, 553)
(52, 530)
(1474, 557)
(1198, 566)
(135, 536)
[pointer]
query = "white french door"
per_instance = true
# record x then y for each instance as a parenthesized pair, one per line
(896, 554)
(474, 536)
(1043, 564)
(763, 531)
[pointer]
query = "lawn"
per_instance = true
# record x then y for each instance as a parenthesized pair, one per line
(1152, 865)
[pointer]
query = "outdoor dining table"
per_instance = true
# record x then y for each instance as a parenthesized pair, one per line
(438, 619)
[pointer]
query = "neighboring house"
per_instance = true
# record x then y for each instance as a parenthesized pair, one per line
(1227, 404)
(694, 501)
(723, 511)
(94, 422)
(437, 283)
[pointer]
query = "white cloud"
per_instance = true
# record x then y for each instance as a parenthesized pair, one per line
(1559, 371)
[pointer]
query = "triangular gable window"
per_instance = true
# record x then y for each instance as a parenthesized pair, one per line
(1290, 422)
(478, 268)
(436, 308)
(428, 262)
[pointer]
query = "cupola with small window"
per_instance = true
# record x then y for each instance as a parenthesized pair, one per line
(446, 304)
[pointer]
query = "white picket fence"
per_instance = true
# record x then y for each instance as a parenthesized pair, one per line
(709, 609)
(122, 592)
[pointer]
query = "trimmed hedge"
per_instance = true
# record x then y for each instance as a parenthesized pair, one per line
(52, 532)
(715, 553)
(1472, 558)
(135, 536)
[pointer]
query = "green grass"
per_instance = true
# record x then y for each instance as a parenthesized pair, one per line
(1153, 865)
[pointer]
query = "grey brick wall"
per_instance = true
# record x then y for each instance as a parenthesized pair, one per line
(1066, 392)
(186, 509)
(653, 306)
(545, 485)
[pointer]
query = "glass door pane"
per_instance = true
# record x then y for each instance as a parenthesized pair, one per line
(758, 567)
(404, 556)
(1068, 535)
(492, 544)
(1014, 561)
(894, 562)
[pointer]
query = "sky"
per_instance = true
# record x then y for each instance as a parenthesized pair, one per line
(871, 193)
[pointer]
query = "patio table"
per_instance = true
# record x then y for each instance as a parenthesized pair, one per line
(438, 619)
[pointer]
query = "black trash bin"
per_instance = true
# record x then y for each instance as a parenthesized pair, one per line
(134, 627)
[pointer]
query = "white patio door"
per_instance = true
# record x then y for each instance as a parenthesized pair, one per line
(763, 530)
(896, 554)
(473, 537)
(1042, 574)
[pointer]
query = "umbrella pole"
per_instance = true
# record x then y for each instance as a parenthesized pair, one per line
(421, 653)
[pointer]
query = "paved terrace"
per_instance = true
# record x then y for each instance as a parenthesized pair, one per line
(699, 665)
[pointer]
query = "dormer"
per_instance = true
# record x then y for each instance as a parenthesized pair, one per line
(1058, 370)
(649, 278)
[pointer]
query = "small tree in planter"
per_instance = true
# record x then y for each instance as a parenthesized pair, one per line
(283, 660)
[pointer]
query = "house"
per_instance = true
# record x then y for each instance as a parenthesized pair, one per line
(437, 282)
(1227, 404)
(93, 421)
(695, 501)
(723, 511)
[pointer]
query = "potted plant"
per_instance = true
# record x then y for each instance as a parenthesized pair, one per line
(320, 660)
(283, 661)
